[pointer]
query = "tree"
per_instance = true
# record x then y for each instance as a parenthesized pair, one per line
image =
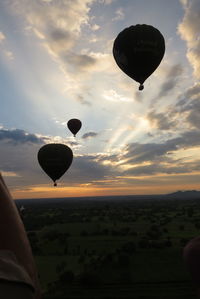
(66, 277)
(89, 279)
(129, 247)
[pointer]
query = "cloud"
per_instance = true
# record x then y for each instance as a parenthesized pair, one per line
(17, 136)
(19, 163)
(138, 153)
(59, 40)
(186, 98)
(2, 36)
(119, 15)
(57, 23)
(189, 105)
(172, 77)
(193, 91)
(61, 27)
(89, 135)
(189, 31)
(65, 28)
(139, 160)
(80, 98)
(19, 149)
(148, 152)
(9, 55)
(73, 143)
(113, 96)
(87, 168)
(158, 168)
(80, 62)
(193, 116)
(161, 121)
(106, 2)
(95, 27)
(46, 16)
(21, 167)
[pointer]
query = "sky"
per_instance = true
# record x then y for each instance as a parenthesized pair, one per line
(56, 63)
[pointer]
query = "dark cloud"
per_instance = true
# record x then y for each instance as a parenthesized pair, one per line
(59, 40)
(60, 35)
(83, 61)
(193, 91)
(170, 167)
(110, 158)
(158, 169)
(167, 87)
(89, 135)
(86, 169)
(188, 139)
(17, 136)
(161, 121)
(193, 116)
(138, 153)
(172, 78)
(21, 158)
(175, 71)
(78, 62)
(80, 98)
(190, 105)
(188, 96)
(73, 143)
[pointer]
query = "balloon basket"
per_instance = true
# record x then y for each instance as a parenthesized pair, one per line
(141, 87)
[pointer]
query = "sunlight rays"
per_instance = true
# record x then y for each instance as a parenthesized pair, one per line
(127, 133)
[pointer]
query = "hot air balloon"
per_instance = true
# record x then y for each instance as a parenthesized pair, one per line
(74, 125)
(138, 51)
(55, 159)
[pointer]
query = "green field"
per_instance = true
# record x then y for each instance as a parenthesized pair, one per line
(124, 249)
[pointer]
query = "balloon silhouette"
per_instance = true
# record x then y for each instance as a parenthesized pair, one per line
(74, 125)
(138, 51)
(55, 159)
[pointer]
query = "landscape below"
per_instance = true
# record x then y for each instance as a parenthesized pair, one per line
(113, 247)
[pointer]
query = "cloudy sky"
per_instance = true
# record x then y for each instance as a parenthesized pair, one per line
(56, 63)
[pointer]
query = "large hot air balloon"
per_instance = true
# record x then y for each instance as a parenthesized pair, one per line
(55, 159)
(138, 51)
(74, 125)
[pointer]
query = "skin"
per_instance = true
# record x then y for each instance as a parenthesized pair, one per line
(13, 236)
(191, 256)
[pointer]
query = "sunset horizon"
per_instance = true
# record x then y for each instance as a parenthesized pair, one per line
(57, 64)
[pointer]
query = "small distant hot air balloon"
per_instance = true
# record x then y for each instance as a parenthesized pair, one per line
(55, 159)
(74, 125)
(138, 51)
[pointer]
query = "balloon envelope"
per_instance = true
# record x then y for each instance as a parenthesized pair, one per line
(74, 125)
(138, 51)
(55, 159)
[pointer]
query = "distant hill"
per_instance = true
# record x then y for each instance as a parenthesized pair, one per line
(185, 194)
(54, 202)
